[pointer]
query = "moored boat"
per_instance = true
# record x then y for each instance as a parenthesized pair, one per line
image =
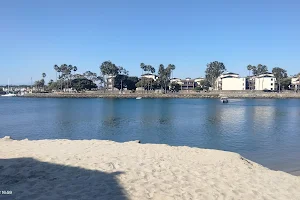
(224, 99)
(8, 95)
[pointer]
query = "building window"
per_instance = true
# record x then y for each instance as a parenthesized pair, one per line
(271, 79)
(271, 83)
(271, 88)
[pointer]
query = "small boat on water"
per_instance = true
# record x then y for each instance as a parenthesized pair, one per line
(224, 99)
(8, 95)
(138, 98)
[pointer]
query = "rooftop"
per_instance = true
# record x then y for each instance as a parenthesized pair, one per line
(230, 73)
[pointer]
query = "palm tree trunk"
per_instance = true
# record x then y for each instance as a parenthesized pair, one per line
(56, 80)
(60, 82)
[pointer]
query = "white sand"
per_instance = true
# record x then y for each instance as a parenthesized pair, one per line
(64, 169)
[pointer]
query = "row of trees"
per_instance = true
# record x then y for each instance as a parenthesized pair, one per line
(66, 77)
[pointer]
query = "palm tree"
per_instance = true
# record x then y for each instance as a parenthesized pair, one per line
(279, 74)
(172, 68)
(69, 75)
(59, 70)
(249, 68)
(152, 70)
(56, 68)
(44, 76)
(143, 67)
(74, 69)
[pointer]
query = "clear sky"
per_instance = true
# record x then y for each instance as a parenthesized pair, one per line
(36, 34)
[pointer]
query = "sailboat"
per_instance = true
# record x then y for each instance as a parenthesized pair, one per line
(8, 94)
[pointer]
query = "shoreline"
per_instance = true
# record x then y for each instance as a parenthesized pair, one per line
(59, 169)
(209, 95)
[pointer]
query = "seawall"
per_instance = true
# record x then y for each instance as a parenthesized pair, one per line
(237, 95)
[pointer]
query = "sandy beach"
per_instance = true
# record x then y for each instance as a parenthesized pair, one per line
(93, 169)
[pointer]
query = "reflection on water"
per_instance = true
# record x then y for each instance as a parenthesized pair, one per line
(266, 131)
(264, 117)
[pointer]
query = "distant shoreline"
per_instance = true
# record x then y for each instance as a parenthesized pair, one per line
(213, 95)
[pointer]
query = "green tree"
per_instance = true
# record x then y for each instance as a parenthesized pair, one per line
(144, 83)
(108, 68)
(250, 68)
(39, 84)
(56, 68)
(279, 74)
(175, 87)
(75, 69)
(149, 69)
(58, 71)
(50, 82)
(90, 75)
(164, 75)
(213, 71)
(259, 69)
(285, 83)
(172, 68)
(120, 81)
(100, 79)
(44, 76)
(83, 84)
(143, 67)
(131, 81)
(124, 81)
(198, 89)
(205, 85)
(52, 85)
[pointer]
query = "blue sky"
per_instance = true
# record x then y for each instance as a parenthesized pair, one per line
(37, 34)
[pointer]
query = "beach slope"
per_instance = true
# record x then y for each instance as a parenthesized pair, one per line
(94, 169)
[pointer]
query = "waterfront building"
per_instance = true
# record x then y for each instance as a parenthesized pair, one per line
(230, 81)
(150, 76)
(187, 83)
(265, 81)
(295, 82)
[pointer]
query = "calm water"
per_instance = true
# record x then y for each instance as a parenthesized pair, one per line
(265, 131)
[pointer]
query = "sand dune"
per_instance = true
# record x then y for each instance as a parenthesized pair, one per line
(65, 169)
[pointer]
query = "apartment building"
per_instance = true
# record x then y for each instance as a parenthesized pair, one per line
(265, 81)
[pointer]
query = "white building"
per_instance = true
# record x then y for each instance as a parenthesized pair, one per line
(265, 81)
(198, 81)
(176, 80)
(185, 84)
(230, 81)
(152, 76)
(295, 82)
(234, 83)
(110, 82)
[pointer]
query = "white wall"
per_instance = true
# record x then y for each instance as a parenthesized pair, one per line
(263, 83)
(294, 81)
(233, 84)
(152, 76)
